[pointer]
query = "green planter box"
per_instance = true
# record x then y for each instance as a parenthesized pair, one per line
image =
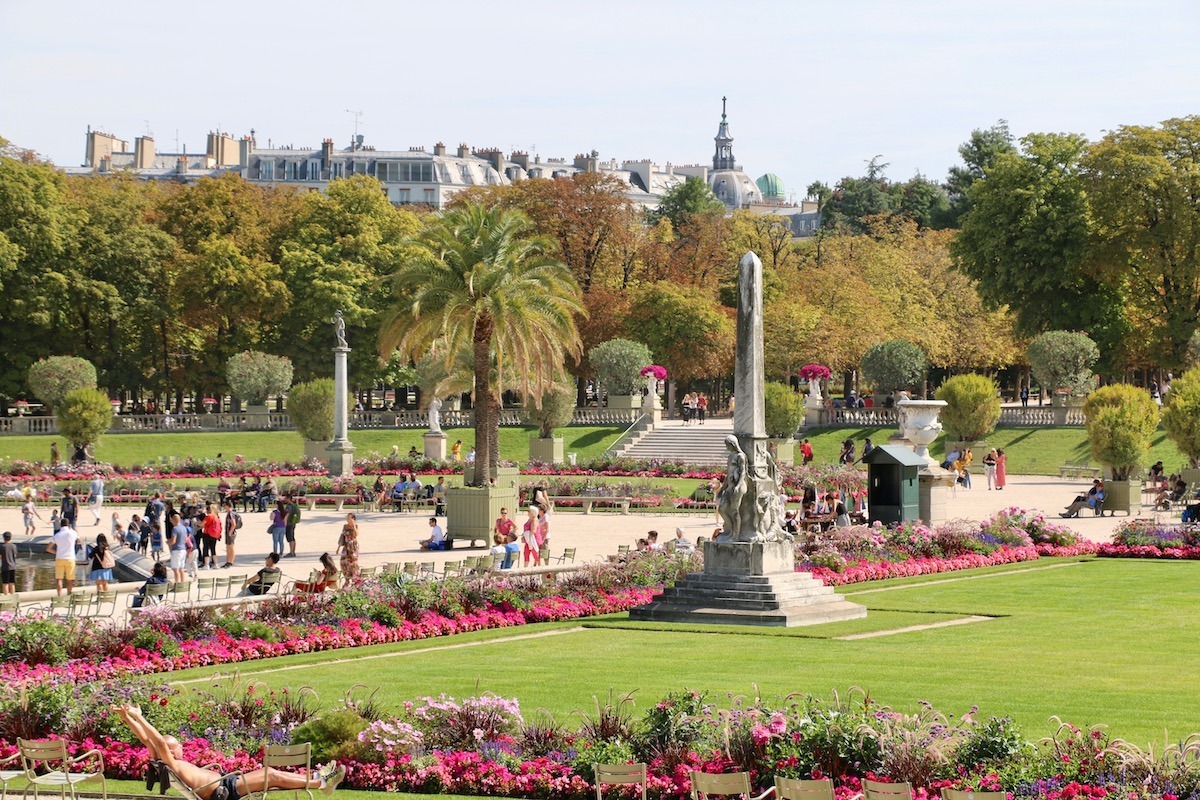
(505, 476)
(1123, 496)
(548, 451)
(471, 512)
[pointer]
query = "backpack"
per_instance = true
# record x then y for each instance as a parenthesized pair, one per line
(293, 511)
(237, 520)
(149, 512)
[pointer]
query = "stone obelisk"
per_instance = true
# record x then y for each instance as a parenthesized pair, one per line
(749, 575)
(340, 450)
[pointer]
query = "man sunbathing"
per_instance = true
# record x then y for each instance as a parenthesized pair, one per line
(211, 785)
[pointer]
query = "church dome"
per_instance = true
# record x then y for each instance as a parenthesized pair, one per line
(772, 187)
(734, 188)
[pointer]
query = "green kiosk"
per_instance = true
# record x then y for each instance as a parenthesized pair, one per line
(893, 488)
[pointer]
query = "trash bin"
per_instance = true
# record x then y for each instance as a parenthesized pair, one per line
(571, 458)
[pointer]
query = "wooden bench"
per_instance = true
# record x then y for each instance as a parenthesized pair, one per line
(219, 602)
(588, 501)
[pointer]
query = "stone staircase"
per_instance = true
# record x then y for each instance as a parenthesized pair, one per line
(780, 599)
(674, 441)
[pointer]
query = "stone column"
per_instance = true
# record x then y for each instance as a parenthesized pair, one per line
(341, 452)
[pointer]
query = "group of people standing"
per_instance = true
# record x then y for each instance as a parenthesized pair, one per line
(695, 408)
(535, 535)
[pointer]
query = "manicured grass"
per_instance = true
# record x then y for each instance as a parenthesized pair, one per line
(1097, 641)
(1030, 450)
(128, 449)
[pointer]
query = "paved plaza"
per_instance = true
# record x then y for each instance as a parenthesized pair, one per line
(390, 537)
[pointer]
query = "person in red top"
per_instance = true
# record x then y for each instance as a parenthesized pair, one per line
(212, 529)
(504, 525)
(806, 451)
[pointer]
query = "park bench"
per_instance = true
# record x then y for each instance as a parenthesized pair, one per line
(588, 501)
(311, 500)
(1079, 469)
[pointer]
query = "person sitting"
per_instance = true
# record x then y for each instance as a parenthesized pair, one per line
(652, 542)
(158, 575)
(1094, 499)
(951, 457)
(1156, 472)
(267, 495)
(210, 785)
(437, 537)
(512, 549)
(1174, 494)
(265, 578)
(413, 452)
(325, 578)
(683, 545)
(789, 522)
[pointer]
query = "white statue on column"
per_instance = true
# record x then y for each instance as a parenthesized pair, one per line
(435, 415)
(651, 399)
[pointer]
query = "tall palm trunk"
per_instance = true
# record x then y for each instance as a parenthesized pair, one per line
(484, 421)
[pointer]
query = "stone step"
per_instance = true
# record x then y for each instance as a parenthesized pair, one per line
(708, 614)
(782, 595)
(762, 602)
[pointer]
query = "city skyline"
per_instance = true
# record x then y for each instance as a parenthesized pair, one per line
(814, 92)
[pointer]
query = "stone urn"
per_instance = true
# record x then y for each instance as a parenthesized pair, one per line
(650, 401)
(920, 425)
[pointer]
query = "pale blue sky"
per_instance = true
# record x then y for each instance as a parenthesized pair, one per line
(815, 89)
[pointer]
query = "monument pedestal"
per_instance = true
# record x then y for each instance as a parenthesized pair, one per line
(749, 583)
(341, 460)
(934, 494)
(435, 446)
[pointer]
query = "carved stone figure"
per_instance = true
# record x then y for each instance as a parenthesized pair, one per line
(339, 329)
(435, 415)
(732, 491)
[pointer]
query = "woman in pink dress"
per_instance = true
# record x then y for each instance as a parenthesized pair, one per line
(1001, 469)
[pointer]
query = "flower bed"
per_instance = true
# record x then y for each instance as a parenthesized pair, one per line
(485, 746)
(1147, 538)
(872, 552)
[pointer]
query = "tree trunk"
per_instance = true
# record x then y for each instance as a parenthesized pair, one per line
(483, 405)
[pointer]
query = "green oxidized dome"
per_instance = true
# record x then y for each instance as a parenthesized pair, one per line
(771, 187)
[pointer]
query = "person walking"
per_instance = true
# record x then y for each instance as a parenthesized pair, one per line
(529, 539)
(233, 521)
(177, 545)
(211, 531)
(1025, 396)
(293, 517)
(8, 565)
(62, 544)
(95, 498)
(702, 407)
(989, 468)
(68, 508)
(1001, 469)
(278, 527)
(28, 512)
(101, 571)
(347, 547)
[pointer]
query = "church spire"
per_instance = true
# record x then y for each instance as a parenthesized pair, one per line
(723, 157)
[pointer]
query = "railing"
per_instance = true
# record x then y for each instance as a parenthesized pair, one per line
(1033, 416)
(359, 420)
(615, 448)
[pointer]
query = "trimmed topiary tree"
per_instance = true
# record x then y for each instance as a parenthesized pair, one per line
(553, 410)
(83, 416)
(310, 406)
(894, 364)
(972, 406)
(1181, 416)
(254, 376)
(1062, 361)
(1120, 420)
(52, 379)
(617, 364)
(783, 410)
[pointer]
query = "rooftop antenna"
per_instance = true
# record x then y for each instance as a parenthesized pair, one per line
(149, 132)
(357, 119)
(177, 140)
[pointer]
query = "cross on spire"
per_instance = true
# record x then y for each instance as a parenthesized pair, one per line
(722, 109)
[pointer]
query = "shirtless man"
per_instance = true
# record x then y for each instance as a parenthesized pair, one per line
(205, 783)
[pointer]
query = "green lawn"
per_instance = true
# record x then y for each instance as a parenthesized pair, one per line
(1093, 641)
(1030, 450)
(128, 449)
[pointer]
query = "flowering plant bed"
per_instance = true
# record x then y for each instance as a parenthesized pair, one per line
(485, 745)
(1147, 538)
(873, 552)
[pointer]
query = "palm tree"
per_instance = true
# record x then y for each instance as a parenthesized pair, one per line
(480, 281)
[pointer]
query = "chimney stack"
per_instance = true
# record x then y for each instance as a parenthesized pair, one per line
(439, 149)
(463, 151)
(327, 154)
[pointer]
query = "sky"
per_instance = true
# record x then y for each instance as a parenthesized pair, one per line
(815, 90)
